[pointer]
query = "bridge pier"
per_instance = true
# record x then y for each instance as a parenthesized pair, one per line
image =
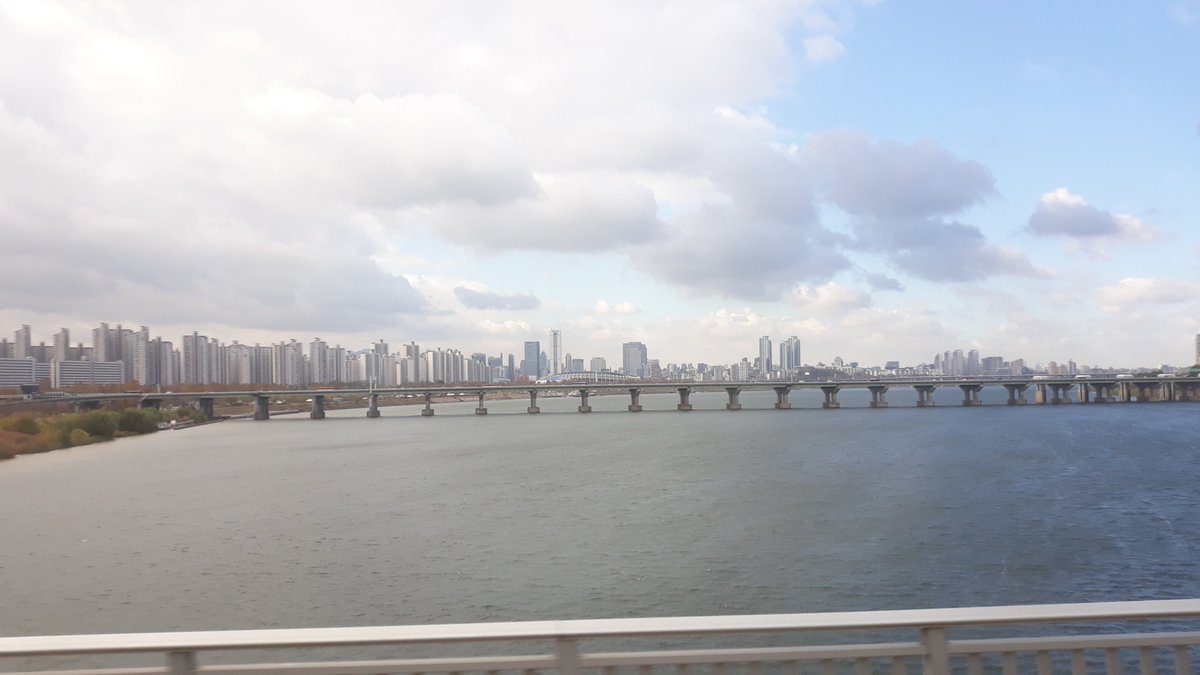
(781, 398)
(831, 393)
(427, 411)
(1040, 395)
(318, 408)
(205, 406)
(148, 403)
(262, 408)
(1062, 394)
(533, 408)
(1100, 391)
(634, 395)
(1016, 393)
(684, 399)
(925, 395)
(373, 405)
(583, 401)
(878, 396)
(971, 394)
(733, 398)
(480, 409)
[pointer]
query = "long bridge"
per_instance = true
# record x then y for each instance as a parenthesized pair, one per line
(1045, 390)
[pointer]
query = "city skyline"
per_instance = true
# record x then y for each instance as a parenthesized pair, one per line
(882, 180)
(126, 355)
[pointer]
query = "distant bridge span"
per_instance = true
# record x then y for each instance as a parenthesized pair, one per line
(1046, 391)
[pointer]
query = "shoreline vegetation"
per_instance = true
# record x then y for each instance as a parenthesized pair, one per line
(26, 433)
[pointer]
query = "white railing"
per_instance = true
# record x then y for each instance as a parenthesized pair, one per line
(931, 650)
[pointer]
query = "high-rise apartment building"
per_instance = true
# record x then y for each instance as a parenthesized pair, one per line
(62, 346)
(633, 359)
(23, 343)
(973, 366)
(764, 356)
(789, 354)
(598, 364)
(195, 358)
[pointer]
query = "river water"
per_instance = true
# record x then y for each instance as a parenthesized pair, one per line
(458, 518)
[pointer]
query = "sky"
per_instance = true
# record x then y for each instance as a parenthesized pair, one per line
(884, 180)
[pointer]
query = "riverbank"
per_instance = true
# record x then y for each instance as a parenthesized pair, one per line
(26, 434)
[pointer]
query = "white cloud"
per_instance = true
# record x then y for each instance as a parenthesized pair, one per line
(1060, 212)
(1132, 294)
(604, 307)
(822, 48)
(827, 298)
(487, 300)
(899, 197)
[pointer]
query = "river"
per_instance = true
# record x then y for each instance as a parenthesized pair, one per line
(459, 518)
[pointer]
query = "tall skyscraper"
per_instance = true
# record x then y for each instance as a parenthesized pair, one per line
(973, 366)
(764, 356)
(556, 356)
(789, 354)
(633, 359)
(598, 364)
(531, 366)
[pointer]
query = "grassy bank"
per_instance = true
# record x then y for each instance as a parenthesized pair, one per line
(24, 434)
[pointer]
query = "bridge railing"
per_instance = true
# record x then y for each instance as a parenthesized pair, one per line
(932, 648)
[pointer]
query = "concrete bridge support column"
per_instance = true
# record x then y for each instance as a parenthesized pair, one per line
(147, 403)
(733, 398)
(1084, 393)
(1166, 391)
(1040, 396)
(373, 405)
(1101, 392)
(1143, 392)
(318, 408)
(971, 394)
(1062, 394)
(878, 396)
(205, 406)
(427, 411)
(781, 398)
(1016, 393)
(533, 408)
(924, 395)
(481, 409)
(583, 401)
(831, 402)
(262, 408)
(1124, 395)
(634, 395)
(684, 399)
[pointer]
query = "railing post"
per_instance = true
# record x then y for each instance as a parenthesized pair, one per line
(935, 661)
(568, 655)
(181, 663)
